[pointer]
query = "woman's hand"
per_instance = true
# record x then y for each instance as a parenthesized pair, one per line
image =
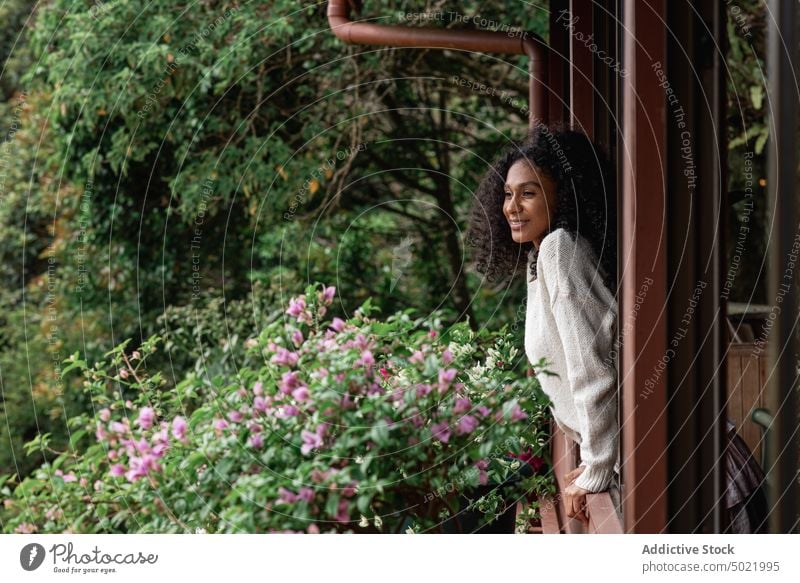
(575, 502)
(574, 496)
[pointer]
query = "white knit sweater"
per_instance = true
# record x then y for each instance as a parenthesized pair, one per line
(571, 320)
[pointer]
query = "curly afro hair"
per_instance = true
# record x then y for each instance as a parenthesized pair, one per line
(585, 204)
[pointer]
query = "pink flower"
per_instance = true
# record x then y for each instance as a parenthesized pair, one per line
(258, 388)
(124, 373)
(296, 306)
(146, 416)
(462, 406)
(286, 496)
(467, 424)
(297, 338)
(220, 424)
(285, 357)
(441, 431)
(433, 333)
(384, 373)
(483, 476)
(179, 427)
(517, 414)
(326, 296)
(162, 436)
(483, 410)
(305, 494)
(318, 476)
(423, 389)
(310, 441)
(69, 477)
(447, 356)
(343, 512)
(117, 470)
(142, 466)
(337, 324)
(117, 427)
(417, 357)
(301, 394)
(312, 528)
(105, 414)
(289, 381)
(346, 402)
(366, 359)
(288, 411)
(100, 434)
(256, 441)
(446, 377)
(260, 404)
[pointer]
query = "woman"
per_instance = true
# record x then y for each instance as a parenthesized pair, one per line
(549, 200)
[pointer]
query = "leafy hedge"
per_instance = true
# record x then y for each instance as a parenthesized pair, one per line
(360, 425)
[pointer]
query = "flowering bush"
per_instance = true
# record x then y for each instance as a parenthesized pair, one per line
(359, 425)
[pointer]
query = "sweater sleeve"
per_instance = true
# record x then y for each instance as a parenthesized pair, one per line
(585, 324)
(585, 328)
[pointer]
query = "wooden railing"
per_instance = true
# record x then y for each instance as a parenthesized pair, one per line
(603, 517)
(748, 369)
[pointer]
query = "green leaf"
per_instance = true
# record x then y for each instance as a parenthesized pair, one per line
(380, 433)
(362, 503)
(76, 437)
(756, 95)
(761, 141)
(332, 505)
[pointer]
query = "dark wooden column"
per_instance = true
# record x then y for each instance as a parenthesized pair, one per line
(643, 259)
(782, 182)
(695, 222)
(558, 65)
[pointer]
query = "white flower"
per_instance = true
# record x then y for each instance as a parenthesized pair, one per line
(364, 522)
(460, 350)
(378, 521)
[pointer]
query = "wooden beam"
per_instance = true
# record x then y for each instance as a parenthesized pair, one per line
(642, 260)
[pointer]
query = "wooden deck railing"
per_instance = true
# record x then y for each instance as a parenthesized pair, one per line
(603, 517)
(748, 369)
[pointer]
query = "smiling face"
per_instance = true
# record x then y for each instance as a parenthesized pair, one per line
(530, 201)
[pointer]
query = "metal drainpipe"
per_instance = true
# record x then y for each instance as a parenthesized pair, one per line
(526, 43)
